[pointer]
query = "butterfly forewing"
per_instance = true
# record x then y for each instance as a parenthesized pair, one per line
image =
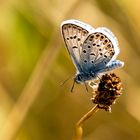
(75, 33)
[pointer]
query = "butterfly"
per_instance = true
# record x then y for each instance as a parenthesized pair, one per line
(93, 51)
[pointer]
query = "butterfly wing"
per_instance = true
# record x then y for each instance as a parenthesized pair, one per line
(113, 40)
(74, 33)
(98, 50)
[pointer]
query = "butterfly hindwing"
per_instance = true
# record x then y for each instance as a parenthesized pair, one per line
(74, 33)
(97, 51)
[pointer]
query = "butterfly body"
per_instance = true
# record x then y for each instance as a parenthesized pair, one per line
(93, 51)
(92, 74)
(83, 77)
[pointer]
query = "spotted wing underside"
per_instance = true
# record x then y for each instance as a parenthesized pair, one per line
(97, 51)
(75, 33)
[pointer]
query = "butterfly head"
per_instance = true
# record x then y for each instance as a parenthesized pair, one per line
(79, 78)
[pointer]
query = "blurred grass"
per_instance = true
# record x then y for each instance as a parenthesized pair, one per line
(33, 61)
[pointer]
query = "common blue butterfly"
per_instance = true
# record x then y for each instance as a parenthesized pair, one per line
(93, 51)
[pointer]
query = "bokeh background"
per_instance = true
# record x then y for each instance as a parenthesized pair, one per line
(34, 61)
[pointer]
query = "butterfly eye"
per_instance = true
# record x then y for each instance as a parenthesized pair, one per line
(79, 78)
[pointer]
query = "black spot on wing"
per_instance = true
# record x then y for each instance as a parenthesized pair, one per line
(85, 61)
(74, 47)
(102, 37)
(78, 39)
(92, 54)
(84, 51)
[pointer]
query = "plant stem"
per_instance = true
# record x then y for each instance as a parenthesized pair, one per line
(78, 128)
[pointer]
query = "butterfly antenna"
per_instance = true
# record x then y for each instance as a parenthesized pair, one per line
(62, 83)
(73, 85)
(86, 87)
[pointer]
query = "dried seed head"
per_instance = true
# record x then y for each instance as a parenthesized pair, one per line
(109, 89)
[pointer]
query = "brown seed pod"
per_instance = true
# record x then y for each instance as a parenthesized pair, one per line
(109, 89)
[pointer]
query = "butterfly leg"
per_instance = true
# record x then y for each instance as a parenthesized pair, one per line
(73, 85)
(112, 65)
(86, 86)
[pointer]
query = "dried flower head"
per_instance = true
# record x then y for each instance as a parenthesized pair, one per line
(109, 89)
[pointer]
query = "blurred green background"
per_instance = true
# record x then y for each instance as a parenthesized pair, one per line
(34, 61)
